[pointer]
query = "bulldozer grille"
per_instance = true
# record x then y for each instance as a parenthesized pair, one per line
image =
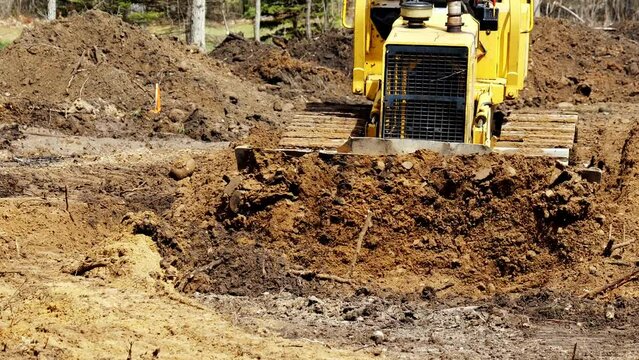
(425, 93)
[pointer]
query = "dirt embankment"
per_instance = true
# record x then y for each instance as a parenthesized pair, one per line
(629, 29)
(93, 74)
(333, 49)
(571, 62)
(280, 73)
(481, 222)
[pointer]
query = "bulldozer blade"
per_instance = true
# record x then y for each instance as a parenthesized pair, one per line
(378, 146)
(548, 134)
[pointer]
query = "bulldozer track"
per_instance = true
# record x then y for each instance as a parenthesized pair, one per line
(325, 126)
(329, 126)
(537, 134)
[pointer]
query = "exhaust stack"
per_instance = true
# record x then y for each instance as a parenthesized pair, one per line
(454, 23)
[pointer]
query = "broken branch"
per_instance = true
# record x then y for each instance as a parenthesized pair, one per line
(360, 239)
(623, 244)
(87, 265)
(608, 249)
(613, 285)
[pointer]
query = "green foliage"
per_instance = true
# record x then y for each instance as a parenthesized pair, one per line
(4, 44)
(144, 18)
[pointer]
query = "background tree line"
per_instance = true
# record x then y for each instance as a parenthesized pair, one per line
(283, 17)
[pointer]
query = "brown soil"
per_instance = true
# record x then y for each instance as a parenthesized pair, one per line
(97, 237)
(102, 83)
(572, 63)
(332, 49)
(280, 73)
(629, 29)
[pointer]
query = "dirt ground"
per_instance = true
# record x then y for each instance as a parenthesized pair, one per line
(132, 234)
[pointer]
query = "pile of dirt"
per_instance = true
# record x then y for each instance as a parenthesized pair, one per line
(570, 62)
(476, 222)
(629, 29)
(333, 49)
(93, 74)
(280, 73)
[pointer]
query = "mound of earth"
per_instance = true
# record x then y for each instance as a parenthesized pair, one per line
(629, 29)
(574, 63)
(93, 74)
(478, 223)
(280, 73)
(569, 62)
(333, 49)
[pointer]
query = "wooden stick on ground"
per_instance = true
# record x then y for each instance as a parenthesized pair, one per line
(623, 244)
(319, 276)
(613, 285)
(360, 238)
(88, 265)
(608, 249)
(66, 202)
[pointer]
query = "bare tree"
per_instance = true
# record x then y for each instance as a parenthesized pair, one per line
(5, 8)
(309, 7)
(51, 13)
(198, 14)
(258, 15)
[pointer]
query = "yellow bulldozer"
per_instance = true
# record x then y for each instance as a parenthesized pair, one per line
(435, 71)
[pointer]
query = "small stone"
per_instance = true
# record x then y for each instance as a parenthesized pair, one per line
(564, 81)
(182, 168)
(379, 165)
(600, 218)
(183, 66)
(407, 165)
(592, 174)
(483, 173)
(549, 193)
(7, 94)
(288, 107)
(604, 109)
(233, 184)
(234, 201)
(600, 232)
(177, 115)
(560, 177)
(584, 89)
(261, 88)
(511, 171)
(233, 98)
(610, 312)
(277, 106)
(632, 68)
(428, 293)
(378, 337)
(491, 287)
(339, 201)
(531, 254)
(312, 300)
(593, 270)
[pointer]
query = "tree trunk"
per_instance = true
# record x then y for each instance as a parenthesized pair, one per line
(258, 15)
(309, 6)
(198, 12)
(51, 13)
(226, 24)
